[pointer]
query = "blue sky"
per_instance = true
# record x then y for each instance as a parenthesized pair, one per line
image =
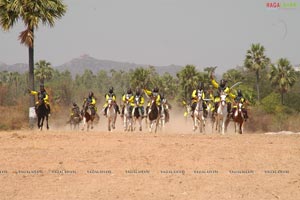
(162, 32)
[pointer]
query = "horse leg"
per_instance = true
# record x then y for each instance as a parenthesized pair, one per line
(227, 121)
(157, 123)
(241, 126)
(84, 122)
(150, 126)
(140, 123)
(38, 122)
(125, 123)
(42, 122)
(92, 123)
(108, 124)
(235, 126)
(195, 123)
(47, 122)
(201, 125)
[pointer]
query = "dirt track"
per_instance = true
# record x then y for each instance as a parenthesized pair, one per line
(175, 164)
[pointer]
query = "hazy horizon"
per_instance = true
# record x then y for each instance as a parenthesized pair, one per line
(162, 32)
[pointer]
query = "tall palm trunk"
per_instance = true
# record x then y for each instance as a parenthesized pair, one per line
(257, 85)
(31, 72)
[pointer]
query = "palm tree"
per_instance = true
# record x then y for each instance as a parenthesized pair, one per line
(256, 61)
(233, 76)
(43, 71)
(188, 80)
(140, 77)
(282, 76)
(31, 12)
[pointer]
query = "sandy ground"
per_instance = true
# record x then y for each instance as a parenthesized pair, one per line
(175, 163)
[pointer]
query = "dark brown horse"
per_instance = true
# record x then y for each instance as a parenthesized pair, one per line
(88, 115)
(153, 115)
(42, 113)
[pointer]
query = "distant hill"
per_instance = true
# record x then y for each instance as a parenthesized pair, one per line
(19, 67)
(79, 65)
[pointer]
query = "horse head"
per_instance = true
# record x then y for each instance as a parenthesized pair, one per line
(110, 102)
(137, 101)
(223, 99)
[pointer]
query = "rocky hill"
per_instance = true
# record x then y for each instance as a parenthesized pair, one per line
(85, 62)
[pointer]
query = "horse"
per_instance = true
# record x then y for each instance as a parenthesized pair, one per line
(111, 114)
(238, 118)
(137, 114)
(153, 115)
(198, 117)
(127, 119)
(221, 118)
(75, 121)
(164, 116)
(88, 114)
(42, 112)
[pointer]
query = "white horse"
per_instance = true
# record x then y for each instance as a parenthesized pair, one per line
(222, 114)
(127, 119)
(111, 114)
(198, 117)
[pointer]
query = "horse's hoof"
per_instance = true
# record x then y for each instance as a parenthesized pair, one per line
(140, 128)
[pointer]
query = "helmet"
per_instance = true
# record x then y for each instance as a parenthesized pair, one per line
(91, 94)
(111, 90)
(200, 86)
(129, 91)
(42, 87)
(156, 89)
(239, 93)
(222, 83)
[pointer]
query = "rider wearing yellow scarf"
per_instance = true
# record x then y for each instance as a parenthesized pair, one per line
(42, 94)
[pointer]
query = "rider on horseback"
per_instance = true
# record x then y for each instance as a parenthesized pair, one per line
(75, 111)
(239, 98)
(222, 88)
(42, 95)
(90, 102)
(110, 95)
(196, 95)
(153, 94)
(139, 101)
(128, 98)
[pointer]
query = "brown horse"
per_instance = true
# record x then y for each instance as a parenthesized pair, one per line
(238, 118)
(88, 115)
(153, 115)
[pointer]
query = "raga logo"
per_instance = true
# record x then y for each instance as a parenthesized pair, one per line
(283, 5)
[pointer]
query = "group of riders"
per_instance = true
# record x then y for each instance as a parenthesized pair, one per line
(137, 100)
(129, 99)
(214, 98)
